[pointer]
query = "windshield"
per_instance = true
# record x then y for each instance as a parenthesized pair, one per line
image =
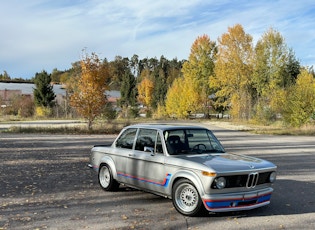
(191, 141)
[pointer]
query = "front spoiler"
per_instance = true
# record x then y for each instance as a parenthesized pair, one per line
(237, 201)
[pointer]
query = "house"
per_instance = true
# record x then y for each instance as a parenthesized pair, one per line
(8, 90)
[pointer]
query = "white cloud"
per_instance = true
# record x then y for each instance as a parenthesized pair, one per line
(49, 34)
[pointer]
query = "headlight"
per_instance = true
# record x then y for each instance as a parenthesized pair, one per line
(272, 177)
(220, 182)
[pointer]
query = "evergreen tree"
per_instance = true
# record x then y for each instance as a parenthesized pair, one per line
(160, 89)
(5, 76)
(128, 90)
(43, 93)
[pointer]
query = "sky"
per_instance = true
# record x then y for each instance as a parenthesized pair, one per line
(38, 35)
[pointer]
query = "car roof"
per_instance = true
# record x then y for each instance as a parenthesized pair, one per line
(164, 127)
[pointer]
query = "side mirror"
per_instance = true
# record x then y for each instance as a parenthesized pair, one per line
(149, 150)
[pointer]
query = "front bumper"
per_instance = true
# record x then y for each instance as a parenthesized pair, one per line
(237, 201)
(93, 167)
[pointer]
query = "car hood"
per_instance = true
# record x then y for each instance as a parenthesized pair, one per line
(229, 162)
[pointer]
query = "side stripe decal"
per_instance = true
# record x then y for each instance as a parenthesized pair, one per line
(164, 183)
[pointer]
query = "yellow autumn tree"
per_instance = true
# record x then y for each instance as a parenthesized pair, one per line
(190, 94)
(299, 106)
(233, 71)
(88, 96)
(173, 98)
(145, 91)
(198, 69)
(275, 70)
(181, 98)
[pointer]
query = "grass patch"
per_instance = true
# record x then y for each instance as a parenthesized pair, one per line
(115, 126)
(308, 130)
(102, 128)
(277, 128)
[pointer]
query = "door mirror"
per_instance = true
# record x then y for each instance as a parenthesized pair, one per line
(149, 150)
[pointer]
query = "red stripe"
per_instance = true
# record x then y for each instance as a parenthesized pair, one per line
(143, 179)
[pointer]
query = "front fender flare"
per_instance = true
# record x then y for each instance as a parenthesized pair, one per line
(192, 176)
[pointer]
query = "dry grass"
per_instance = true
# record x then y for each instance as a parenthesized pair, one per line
(114, 127)
(307, 130)
(100, 128)
(274, 129)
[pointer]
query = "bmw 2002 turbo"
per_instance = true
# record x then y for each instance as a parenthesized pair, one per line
(186, 164)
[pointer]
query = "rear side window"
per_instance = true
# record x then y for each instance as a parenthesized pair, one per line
(146, 138)
(126, 139)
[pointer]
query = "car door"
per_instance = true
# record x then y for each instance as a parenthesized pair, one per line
(123, 150)
(147, 164)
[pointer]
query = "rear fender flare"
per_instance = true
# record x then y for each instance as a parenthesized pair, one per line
(109, 161)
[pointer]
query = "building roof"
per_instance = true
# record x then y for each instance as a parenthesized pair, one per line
(27, 88)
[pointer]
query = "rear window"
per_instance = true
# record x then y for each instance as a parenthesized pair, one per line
(126, 139)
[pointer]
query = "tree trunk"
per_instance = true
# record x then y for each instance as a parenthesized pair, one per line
(90, 124)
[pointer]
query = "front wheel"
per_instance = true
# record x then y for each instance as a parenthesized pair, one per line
(186, 198)
(106, 180)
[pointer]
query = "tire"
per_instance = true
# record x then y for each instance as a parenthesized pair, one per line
(106, 180)
(186, 199)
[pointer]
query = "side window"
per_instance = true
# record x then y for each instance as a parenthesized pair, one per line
(126, 139)
(146, 138)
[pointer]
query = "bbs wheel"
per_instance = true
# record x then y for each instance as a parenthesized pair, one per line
(106, 180)
(186, 198)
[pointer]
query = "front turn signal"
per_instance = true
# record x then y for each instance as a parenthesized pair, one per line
(211, 174)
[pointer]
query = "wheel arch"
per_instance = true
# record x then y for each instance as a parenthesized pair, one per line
(191, 176)
(109, 161)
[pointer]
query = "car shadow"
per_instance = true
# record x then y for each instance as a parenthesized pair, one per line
(289, 197)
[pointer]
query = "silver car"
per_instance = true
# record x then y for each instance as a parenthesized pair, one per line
(186, 164)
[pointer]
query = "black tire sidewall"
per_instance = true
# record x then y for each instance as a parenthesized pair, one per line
(112, 185)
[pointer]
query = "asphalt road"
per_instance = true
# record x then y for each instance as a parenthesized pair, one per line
(45, 184)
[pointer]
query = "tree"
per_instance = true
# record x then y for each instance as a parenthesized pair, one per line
(145, 89)
(173, 98)
(23, 105)
(160, 89)
(43, 93)
(5, 76)
(198, 69)
(181, 98)
(56, 75)
(128, 93)
(88, 95)
(134, 65)
(275, 69)
(174, 71)
(190, 93)
(299, 106)
(233, 71)
(118, 68)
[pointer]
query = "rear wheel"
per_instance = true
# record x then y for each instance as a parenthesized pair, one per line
(106, 180)
(186, 198)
